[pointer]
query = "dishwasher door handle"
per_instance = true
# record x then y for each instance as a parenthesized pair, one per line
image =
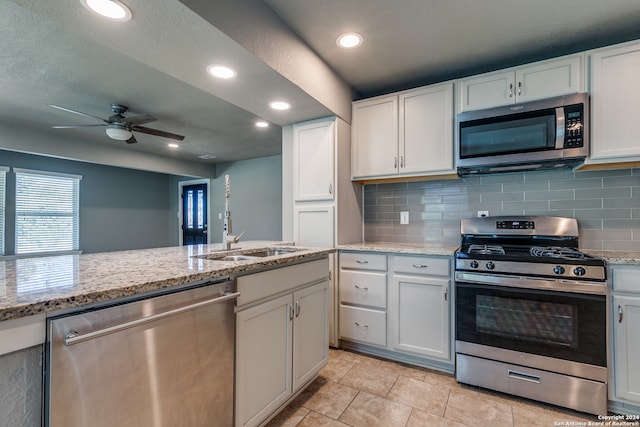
(73, 337)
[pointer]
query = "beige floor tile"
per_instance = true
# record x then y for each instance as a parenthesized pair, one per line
(368, 410)
(327, 398)
(420, 418)
(400, 369)
(358, 358)
(369, 379)
(336, 368)
(421, 395)
(290, 416)
(474, 409)
(441, 378)
(314, 419)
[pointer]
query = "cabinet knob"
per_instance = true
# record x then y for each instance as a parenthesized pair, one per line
(330, 189)
(362, 326)
(420, 266)
(401, 161)
(363, 288)
(510, 90)
(519, 88)
(362, 262)
(395, 162)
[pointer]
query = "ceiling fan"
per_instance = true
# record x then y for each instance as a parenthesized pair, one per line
(120, 127)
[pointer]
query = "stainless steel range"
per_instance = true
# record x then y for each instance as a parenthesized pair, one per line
(531, 311)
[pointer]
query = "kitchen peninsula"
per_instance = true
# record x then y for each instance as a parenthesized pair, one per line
(34, 289)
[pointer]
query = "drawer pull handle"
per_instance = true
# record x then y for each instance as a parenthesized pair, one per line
(362, 262)
(524, 377)
(620, 314)
(420, 266)
(362, 326)
(362, 288)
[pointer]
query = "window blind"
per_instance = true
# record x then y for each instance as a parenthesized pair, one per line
(3, 185)
(47, 211)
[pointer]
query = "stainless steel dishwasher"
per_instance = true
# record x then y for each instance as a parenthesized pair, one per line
(166, 360)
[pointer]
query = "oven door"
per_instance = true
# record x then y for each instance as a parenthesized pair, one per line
(545, 322)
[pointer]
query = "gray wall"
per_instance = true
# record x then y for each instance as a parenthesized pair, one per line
(606, 204)
(256, 199)
(119, 208)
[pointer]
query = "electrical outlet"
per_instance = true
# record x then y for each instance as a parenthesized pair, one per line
(483, 214)
(404, 217)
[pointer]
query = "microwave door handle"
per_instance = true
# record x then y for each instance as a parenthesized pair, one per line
(560, 128)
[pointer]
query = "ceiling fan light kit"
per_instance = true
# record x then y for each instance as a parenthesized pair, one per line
(119, 132)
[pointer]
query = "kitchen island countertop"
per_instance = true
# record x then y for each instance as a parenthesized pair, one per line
(42, 285)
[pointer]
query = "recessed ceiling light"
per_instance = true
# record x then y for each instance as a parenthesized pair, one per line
(110, 9)
(349, 40)
(279, 105)
(207, 156)
(173, 145)
(262, 124)
(222, 71)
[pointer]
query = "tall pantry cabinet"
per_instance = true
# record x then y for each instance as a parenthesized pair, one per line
(321, 206)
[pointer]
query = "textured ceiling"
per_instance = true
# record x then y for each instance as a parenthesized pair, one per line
(57, 52)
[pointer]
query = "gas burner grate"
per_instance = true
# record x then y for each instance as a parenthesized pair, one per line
(556, 252)
(486, 249)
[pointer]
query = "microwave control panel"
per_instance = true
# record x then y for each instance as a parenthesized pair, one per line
(573, 126)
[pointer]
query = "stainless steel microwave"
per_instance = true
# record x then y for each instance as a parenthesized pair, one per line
(546, 134)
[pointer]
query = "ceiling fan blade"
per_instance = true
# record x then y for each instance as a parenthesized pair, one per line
(132, 140)
(138, 120)
(68, 110)
(78, 126)
(156, 132)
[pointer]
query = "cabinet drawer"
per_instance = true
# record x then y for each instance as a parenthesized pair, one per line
(422, 265)
(625, 278)
(363, 288)
(363, 261)
(364, 325)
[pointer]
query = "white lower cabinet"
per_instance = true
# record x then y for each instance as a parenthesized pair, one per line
(397, 306)
(626, 338)
(281, 343)
(421, 315)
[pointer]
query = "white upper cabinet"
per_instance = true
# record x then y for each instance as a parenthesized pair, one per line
(426, 129)
(405, 134)
(313, 145)
(615, 90)
(375, 137)
(539, 80)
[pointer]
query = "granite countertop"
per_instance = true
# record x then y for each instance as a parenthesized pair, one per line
(617, 257)
(400, 248)
(611, 257)
(45, 284)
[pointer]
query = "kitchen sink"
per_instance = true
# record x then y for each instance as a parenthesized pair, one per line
(250, 255)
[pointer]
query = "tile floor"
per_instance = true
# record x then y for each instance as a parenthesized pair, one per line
(362, 391)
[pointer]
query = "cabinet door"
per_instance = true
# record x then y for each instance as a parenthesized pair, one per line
(426, 129)
(549, 78)
(310, 332)
(615, 90)
(313, 226)
(487, 90)
(420, 313)
(263, 359)
(313, 168)
(375, 137)
(626, 347)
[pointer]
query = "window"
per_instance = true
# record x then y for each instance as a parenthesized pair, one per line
(3, 173)
(47, 212)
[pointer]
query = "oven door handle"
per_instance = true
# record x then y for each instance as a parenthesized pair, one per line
(573, 286)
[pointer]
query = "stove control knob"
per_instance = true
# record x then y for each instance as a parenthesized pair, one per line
(490, 265)
(558, 269)
(474, 264)
(579, 271)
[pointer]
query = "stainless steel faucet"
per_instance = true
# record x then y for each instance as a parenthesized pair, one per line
(227, 237)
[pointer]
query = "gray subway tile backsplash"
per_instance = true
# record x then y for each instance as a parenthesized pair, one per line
(606, 204)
